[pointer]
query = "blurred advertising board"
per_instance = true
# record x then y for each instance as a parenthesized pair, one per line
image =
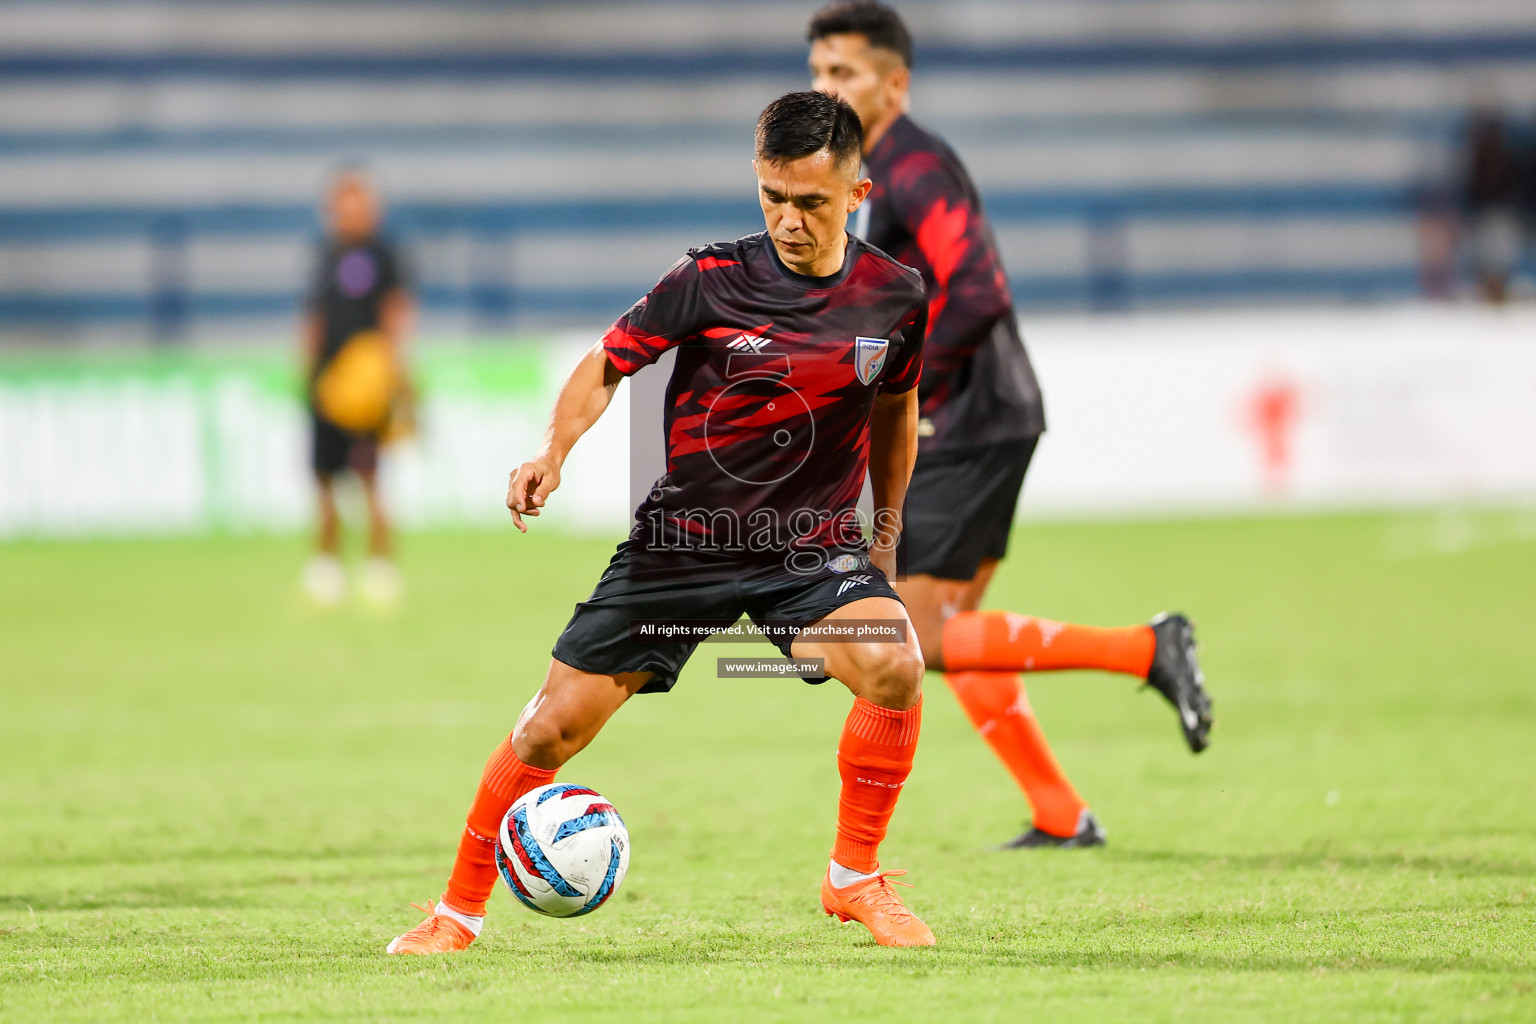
(1166, 414)
(1308, 409)
(105, 443)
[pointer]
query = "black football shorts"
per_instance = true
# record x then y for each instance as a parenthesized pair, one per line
(334, 449)
(692, 586)
(960, 507)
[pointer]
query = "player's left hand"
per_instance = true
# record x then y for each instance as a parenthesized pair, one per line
(529, 488)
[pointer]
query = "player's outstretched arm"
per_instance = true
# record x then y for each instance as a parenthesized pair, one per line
(892, 452)
(582, 399)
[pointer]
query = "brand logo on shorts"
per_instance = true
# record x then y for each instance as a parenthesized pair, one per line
(843, 563)
(869, 357)
(851, 582)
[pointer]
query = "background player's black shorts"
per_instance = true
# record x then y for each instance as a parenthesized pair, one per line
(960, 507)
(698, 586)
(335, 449)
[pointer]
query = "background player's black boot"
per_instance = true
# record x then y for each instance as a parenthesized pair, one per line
(1176, 674)
(1089, 833)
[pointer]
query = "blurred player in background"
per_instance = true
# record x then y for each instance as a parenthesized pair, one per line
(353, 340)
(981, 416)
(1491, 197)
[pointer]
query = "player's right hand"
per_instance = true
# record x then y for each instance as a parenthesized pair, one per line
(529, 488)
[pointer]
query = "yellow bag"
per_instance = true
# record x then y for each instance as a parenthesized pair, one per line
(358, 388)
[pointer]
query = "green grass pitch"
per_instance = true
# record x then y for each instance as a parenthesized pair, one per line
(217, 804)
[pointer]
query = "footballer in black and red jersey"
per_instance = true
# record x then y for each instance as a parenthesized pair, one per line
(799, 354)
(981, 420)
(767, 411)
(767, 428)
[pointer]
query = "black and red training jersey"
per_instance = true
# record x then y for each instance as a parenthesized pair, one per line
(978, 386)
(768, 408)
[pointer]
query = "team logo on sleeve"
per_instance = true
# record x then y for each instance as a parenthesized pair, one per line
(869, 357)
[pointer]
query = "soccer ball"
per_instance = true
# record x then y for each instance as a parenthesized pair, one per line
(562, 850)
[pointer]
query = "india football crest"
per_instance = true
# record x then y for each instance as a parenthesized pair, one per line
(869, 357)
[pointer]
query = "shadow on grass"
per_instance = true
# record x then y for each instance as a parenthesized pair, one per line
(1312, 860)
(385, 849)
(833, 953)
(266, 891)
(947, 958)
(143, 897)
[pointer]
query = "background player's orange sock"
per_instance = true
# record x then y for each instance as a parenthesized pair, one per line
(1006, 642)
(474, 870)
(874, 757)
(998, 708)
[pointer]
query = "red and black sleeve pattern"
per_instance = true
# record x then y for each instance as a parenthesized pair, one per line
(906, 367)
(967, 288)
(664, 317)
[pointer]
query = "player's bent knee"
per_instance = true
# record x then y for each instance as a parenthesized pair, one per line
(890, 675)
(543, 742)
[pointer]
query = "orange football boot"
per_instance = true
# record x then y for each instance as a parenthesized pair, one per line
(875, 905)
(439, 933)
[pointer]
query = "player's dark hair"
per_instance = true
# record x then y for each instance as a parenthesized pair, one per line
(876, 22)
(798, 124)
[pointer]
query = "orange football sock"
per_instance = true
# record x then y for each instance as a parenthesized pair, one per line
(874, 757)
(474, 870)
(1006, 642)
(998, 708)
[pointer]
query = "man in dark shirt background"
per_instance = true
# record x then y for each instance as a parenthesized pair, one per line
(980, 418)
(1491, 194)
(353, 340)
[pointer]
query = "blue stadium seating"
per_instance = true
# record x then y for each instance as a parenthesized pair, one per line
(160, 162)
